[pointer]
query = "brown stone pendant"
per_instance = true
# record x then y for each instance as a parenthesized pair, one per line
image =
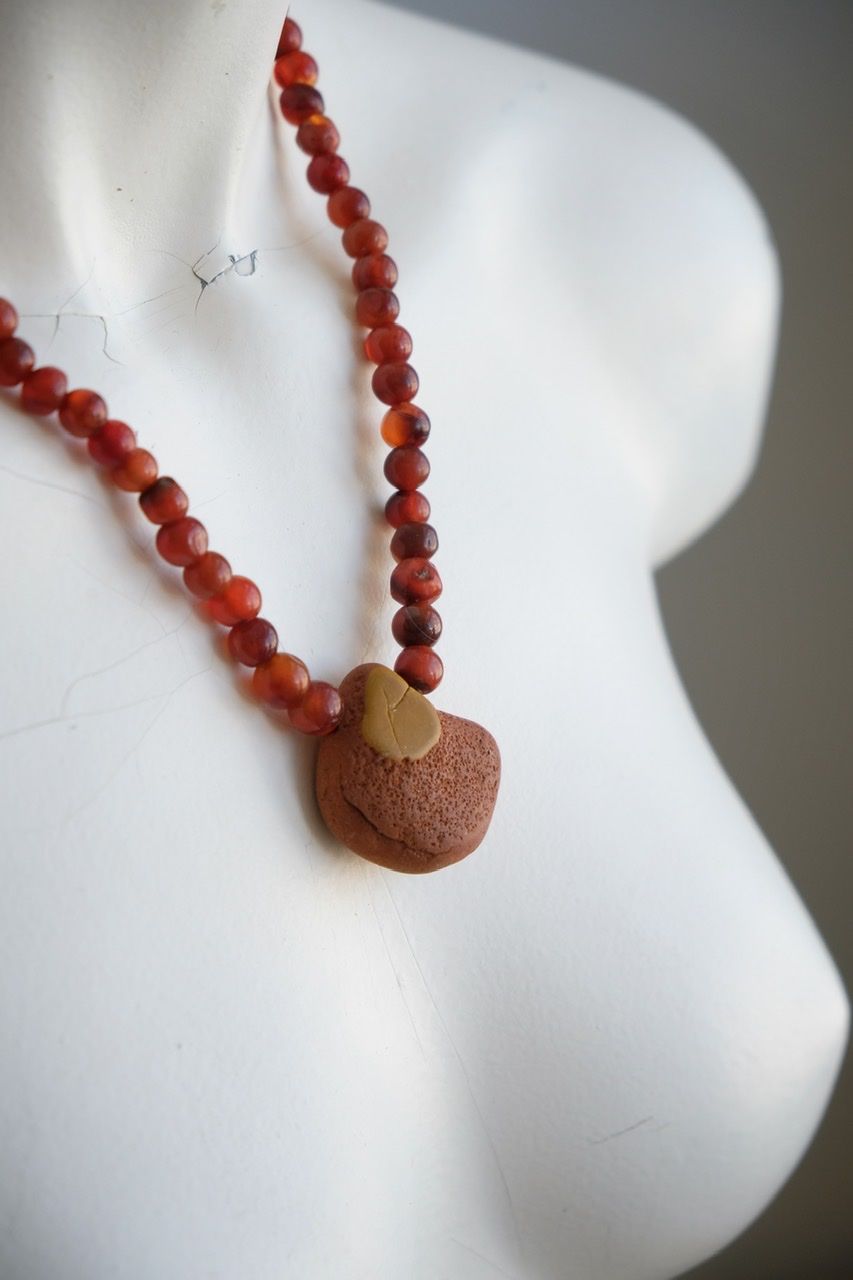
(401, 784)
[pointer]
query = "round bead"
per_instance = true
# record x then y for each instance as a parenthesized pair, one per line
(164, 500)
(388, 342)
(406, 508)
(414, 539)
(281, 682)
(9, 318)
(290, 38)
(404, 424)
(111, 443)
(393, 383)
(208, 576)
(415, 582)
(326, 173)
(295, 67)
(16, 361)
(82, 412)
(374, 270)
(420, 667)
(416, 624)
(300, 101)
(406, 467)
(376, 306)
(347, 205)
(364, 236)
(182, 541)
(137, 471)
(238, 599)
(43, 389)
(320, 710)
(318, 135)
(252, 642)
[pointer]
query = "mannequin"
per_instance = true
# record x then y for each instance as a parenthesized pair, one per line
(595, 1048)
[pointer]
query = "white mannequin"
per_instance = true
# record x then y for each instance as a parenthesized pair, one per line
(595, 1048)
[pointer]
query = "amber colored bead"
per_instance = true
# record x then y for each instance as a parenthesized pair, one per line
(406, 508)
(404, 424)
(406, 467)
(16, 361)
(281, 682)
(394, 383)
(388, 342)
(364, 236)
(326, 173)
(239, 599)
(414, 539)
(300, 101)
(320, 710)
(416, 624)
(376, 306)
(415, 581)
(111, 443)
(82, 412)
(252, 642)
(43, 389)
(9, 317)
(290, 38)
(420, 667)
(374, 270)
(347, 205)
(295, 67)
(164, 500)
(208, 576)
(182, 541)
(318, 135)
(136, 472)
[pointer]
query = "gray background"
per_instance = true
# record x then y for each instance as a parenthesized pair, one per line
(759, 611)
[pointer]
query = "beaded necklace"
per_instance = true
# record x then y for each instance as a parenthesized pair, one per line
(399, 783)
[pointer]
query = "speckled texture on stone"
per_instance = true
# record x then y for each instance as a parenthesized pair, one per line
(408, 815)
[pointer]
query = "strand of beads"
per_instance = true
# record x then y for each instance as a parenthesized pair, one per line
(415, 582)
(279, 680)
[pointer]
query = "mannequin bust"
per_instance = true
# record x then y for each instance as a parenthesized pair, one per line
(596, 1047)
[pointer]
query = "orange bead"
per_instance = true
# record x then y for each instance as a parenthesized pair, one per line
(388, 342)
(364, 236)
(136, 472)
(239, 599)
(300, 101)
(374, 270)
(183, 541)
(82, 412)
(252, 642)
(376, 306)
(405, 424)
(16, 361)
(416, 624)
(290, 38)
(110, 444)
(282, 681)
(406, 508)
(42, 390)
(208, 576)
(164, 500)
(326, 173)
(8, 319)
(320, 710)
(295, 67)
(318, 135)
(414, 539)
(394, 383)
(406, 467)
(420, 667)
(347, 205)
(415, 581)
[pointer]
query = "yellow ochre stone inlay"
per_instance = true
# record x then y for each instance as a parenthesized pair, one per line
(398, 722)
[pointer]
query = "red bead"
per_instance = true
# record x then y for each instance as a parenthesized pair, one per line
(164, 501)
(374, 270)
(389, 342)
(347, 205)
(326, 173)
(111, 443)
(406, 508)
(290, 38)
(376, 306)
(416, 624)
(82, 412)
(182, 541)
(414, 539)
(282, 681)
(393, 383)
(406, 467)
(295, 67)
(16, 361)
(300, 101)
(320, 710)
(43, 389)
(420, 667)
(318, 135)
(208, 576)
(404, 424)
(364, 236)
(238, 599)
(136, 472)
(8, 318)
(252, 642)
(415, 582)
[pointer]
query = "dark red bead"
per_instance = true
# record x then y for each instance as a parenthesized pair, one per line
(16, 361)
(394, 383)
(406, 467)
(252, 642)
(295, 67)
(404, 424)
(420, 667)
(82, 412)
(376, 306)
(388, 342)
(416, 624)
(136, 471)
(300, 101)
(111, 443)
(406, 508)
(374, 270)
(240, 598)
(415, 582)
(320, 710)
(364, 236)
(9, 318)
(414, 539)
(290, 38)
(282, 681)
(318, 135)
(183, 541)
(43, 389)
(208, 576)
(347, 205)
(164, 500)
(326, 173)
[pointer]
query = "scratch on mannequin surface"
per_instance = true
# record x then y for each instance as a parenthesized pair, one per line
(117, 662)
(52, 484)
(621, 1133)
(397, 977)
(476, 1254)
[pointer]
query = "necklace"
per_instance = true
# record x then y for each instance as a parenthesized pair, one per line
(401, 784)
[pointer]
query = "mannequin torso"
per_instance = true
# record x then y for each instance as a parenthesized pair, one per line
(596, 1047)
